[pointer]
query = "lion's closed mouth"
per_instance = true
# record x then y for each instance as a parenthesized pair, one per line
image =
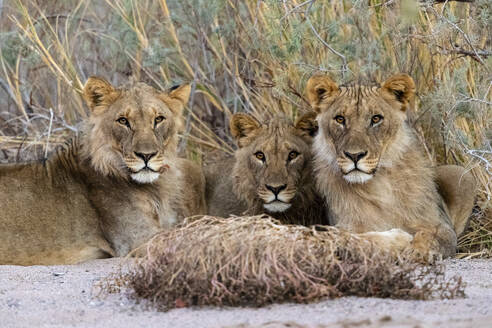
(372, 172)
(276, 200)
(356, 170)
(277, 206)
(145, 169)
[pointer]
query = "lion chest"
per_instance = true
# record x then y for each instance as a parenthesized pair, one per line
(167, 215)
(157, 208)
(374, 207)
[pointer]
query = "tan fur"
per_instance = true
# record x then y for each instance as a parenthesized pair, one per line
(239, 185)
(457, 188)
(94, 197)
(373, 174)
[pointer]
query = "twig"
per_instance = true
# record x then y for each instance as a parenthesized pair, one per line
(25, 103)
(295, 8)
(342, 57)
(465, 36)
(49, 134)
(470, 99)
(5, 86)
(383, 4)
(443, 1)
(472, 54)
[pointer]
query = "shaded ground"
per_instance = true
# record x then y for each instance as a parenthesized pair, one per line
(60, 296)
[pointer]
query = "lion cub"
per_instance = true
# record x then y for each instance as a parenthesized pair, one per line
(373, 174)
(107, 191)
(270, 173)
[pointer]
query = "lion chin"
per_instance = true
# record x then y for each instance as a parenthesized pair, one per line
(276, 206)
(356, 176)
(145, 176)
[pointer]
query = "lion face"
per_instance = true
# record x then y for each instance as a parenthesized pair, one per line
(133, 131)
(360, 126)
(272, 158)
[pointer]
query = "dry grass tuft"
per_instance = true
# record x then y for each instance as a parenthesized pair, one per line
(477, 239)
(255, 261)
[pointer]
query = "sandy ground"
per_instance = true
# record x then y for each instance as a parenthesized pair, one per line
(64, 296)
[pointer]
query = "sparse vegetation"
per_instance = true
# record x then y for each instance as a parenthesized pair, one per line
(252, 56)
(255, 261)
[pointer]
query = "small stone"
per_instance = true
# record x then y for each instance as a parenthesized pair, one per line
(385, 318)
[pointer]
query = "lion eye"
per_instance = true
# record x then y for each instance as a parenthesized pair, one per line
(340, 119)
(260, 156)
(293, 154)
(123, 121)
(376, 119)
(159, 119)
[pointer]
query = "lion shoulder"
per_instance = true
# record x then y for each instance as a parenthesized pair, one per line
(192, 181)
(219, 192)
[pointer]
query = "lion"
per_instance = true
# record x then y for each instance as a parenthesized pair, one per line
(271, 172)
(107, 191)
(373, 174)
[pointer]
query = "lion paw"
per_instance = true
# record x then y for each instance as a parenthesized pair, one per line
(425, 247)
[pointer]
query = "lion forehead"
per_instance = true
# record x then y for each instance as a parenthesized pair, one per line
(359, 103)
(279, 144)
(357, 100)
(140, 101)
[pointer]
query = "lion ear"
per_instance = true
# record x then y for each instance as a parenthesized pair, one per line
(181, 93)
(320, 88)
(99, 93)
(177, 97)
(399, 87)
(307, 125)
(243, 127)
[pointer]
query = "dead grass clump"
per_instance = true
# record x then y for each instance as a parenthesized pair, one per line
(477, 239)
(255, 261)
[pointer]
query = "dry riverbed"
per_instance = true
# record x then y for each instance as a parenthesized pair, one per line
(61, 296)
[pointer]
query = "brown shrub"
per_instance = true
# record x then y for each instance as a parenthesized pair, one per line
(255, 261)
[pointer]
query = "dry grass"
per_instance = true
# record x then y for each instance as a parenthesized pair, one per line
(477, 241)
(255, 261)
(252, 56)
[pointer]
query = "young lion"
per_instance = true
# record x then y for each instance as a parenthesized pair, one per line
(373, 174)
(107, 191)
(270, 173)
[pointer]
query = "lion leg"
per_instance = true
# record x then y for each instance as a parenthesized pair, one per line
(93, 251)
(431, 243)
(425, 245)
(394, 240)
(86, 254)
(457, 188)
(68, 255)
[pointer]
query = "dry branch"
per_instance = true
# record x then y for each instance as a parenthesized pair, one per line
(473, 54)
(443, 1)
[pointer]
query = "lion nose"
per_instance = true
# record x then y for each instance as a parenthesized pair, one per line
(276, 190)
(355, 157)
(145, 156)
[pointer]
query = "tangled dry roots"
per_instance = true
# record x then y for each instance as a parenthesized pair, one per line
(254, 261)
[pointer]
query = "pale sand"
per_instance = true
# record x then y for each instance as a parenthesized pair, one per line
(63, 296)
